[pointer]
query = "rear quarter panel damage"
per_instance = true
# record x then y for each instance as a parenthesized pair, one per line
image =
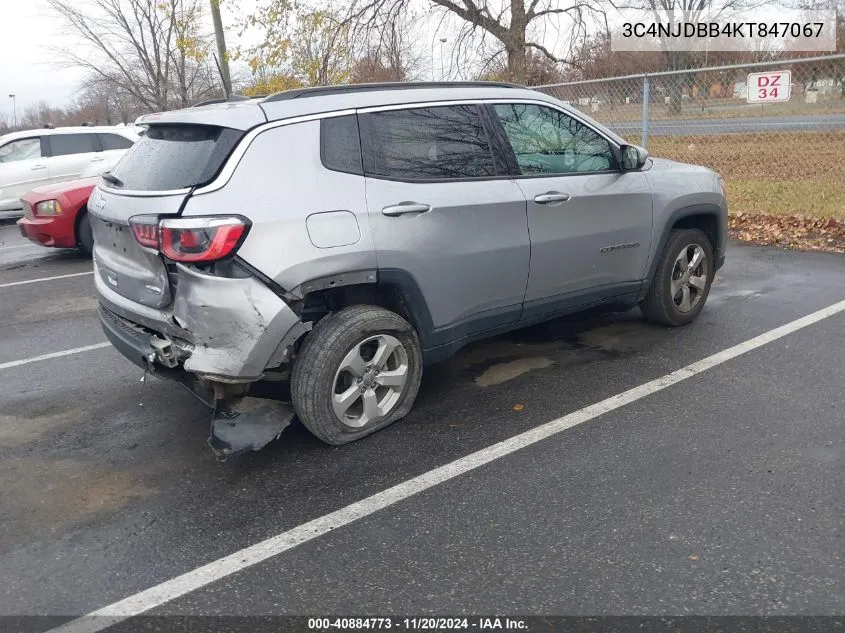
(236, 324)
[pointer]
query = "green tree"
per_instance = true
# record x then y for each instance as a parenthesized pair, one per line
(299, 44)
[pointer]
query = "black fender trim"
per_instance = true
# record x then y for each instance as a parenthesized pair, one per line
(413, 300)
(713, 210)
(267, 281)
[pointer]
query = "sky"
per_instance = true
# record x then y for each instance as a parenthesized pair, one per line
(27, 68)
(31, 71)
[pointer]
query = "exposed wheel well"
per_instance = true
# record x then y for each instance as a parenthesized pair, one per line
(319, 303)
(705, 222)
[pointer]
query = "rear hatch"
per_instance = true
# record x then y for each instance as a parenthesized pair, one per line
(154, 178)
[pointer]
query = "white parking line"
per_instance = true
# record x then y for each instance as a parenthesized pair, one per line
(35, 281)
(67, 352)
(3, 247)
(275, 545)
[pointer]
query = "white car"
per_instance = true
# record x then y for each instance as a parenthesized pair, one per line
(33, 158)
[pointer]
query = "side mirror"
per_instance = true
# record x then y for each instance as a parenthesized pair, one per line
(632, 157)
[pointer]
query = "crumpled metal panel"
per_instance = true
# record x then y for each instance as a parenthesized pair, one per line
(236, 324)
(248, 425)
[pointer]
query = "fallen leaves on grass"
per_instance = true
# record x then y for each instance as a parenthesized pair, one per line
(790, 231)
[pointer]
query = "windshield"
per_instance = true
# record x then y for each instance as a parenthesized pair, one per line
(21, 149)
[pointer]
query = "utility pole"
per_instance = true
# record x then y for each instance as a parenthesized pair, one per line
(14, 111)
(223, 61)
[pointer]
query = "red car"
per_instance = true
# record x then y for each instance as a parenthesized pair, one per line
(57, 215)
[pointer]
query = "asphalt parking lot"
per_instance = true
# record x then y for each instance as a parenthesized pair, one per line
(718, 493)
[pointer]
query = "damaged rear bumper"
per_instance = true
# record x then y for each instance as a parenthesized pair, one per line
(217, 334)
(218, 328)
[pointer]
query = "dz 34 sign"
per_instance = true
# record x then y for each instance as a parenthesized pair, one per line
(769, 87)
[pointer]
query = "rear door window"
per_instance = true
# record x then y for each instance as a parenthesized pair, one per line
(66, 144)
(436, 143)
(175, 157)
(21, 149)
(114, 141)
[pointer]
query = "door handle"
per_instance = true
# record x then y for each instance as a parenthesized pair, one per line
(405, 207)
(551, 196)
(98, 159)
(36, 167)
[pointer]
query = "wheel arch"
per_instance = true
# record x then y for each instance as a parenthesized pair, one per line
(393, 289)
(709, 218)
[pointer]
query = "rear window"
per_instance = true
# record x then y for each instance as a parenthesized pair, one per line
(114, 141)
(175, 157)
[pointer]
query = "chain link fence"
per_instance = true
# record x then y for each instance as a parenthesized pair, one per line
(777, 157)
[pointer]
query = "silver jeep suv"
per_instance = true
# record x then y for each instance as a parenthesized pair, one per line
(333, 241)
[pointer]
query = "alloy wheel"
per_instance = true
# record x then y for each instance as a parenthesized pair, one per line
(689, 278)
(370, 380)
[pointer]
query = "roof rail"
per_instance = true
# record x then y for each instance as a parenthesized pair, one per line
(319, 91)
(222, 100)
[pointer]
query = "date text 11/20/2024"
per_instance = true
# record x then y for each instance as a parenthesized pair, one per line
(418, 624)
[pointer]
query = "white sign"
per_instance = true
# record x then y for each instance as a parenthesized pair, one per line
(769, 87)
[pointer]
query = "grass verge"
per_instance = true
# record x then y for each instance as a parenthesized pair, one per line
(784, 189)
(799, 173)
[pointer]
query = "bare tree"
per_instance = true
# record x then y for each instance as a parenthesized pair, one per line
(149, 49)
(194, 76)
(669, 11)
(320, 51)
(5, 124)
(539, 70)
(306, 44)
(40, 114)
(503, 30)
(390, 56)
(102, 101)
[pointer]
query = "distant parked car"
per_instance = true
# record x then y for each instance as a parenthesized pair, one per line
(57, 215)
(33, 158)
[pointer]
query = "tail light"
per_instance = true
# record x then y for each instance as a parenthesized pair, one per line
(145, 230)
(196, 239)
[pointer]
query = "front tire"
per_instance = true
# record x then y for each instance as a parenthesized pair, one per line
(84, 234)
(682, 280)
(358, 371)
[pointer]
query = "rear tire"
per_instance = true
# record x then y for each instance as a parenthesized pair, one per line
(84, 235)
(682, 280)
(358, 371)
